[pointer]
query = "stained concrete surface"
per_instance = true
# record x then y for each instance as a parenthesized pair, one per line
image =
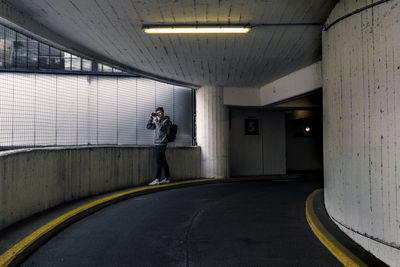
(341, 237)
(236, 224)
(37, 179)
(361, 70)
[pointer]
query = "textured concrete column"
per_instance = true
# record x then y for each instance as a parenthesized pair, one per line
(361, 80)
(212, 132)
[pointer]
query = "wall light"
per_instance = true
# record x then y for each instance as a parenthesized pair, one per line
(307, 129)
(195, 29)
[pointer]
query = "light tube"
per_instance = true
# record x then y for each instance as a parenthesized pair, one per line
(194, 29)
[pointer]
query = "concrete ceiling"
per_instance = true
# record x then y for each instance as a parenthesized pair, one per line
(110, 30)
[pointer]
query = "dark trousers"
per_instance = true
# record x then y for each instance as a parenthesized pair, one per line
(161, 162)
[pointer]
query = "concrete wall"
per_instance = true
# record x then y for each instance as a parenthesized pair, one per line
(236, 96)
(261, 154)
(294, 84)
(297, 83)
(38, 179)
(361, 97)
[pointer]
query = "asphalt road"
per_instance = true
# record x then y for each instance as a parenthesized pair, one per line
(231, 224)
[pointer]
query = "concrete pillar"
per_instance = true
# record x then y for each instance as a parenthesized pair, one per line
(212, 132)
(361, 96)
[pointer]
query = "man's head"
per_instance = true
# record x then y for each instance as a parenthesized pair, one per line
(160, 111)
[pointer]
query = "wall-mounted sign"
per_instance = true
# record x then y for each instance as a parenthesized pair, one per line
(251, 127)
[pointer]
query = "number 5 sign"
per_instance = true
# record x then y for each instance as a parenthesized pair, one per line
(251, 127)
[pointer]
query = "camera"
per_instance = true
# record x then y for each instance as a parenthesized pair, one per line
(154, 114)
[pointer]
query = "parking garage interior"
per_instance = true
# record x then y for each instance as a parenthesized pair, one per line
(286, 150)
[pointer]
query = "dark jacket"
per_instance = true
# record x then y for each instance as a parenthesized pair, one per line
(162, 128)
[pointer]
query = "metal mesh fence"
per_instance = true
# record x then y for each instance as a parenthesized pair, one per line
(60, 109)
(42, 105)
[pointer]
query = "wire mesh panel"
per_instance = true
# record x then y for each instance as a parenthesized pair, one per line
(56, 109)
(93, 104)
(82, 115)
(24, 109)
(183, 110)
(67, 107)
(107, 110)
(165, 98)
(6, 109)
(126, 111)
(46, 109)
(146, 104)
(43, 106)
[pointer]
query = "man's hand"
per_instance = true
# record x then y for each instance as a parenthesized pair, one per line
(155, 118)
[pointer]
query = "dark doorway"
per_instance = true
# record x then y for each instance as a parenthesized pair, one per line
(304, 146)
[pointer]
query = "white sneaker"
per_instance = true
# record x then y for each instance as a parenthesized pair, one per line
(165, 181)
(155, 182)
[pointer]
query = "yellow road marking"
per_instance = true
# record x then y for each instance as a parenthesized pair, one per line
(19, 251)
(346, 257)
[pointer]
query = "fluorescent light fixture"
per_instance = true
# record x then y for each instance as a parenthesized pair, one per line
(195, 29)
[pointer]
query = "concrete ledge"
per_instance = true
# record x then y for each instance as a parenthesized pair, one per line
(33, 180)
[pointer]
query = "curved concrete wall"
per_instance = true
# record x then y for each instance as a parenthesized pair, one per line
(33, 180)
(361, 98)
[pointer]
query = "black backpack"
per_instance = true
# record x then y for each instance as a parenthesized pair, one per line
(173, 129)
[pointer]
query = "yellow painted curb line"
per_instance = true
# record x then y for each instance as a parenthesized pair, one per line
(346, 257)
(22, 249)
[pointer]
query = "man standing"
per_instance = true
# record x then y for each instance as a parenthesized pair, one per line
(161, 124)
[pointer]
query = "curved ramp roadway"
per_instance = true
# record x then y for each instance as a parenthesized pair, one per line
(258, 223)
